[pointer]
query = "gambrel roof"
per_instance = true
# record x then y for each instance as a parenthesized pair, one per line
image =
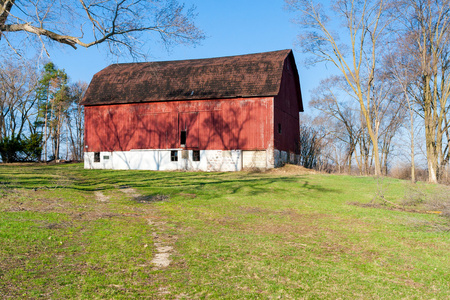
(252, 75)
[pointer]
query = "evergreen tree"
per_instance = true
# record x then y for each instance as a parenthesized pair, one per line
(54, 101)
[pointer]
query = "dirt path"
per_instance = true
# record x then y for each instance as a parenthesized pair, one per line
(163, 243)
(163, 247)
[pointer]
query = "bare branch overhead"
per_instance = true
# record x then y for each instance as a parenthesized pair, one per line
(122, 24)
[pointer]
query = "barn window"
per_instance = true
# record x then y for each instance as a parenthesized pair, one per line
(105, 157)
(174, 155)
(196, 155)
(96, 156)
(183, 138)
(279, 128)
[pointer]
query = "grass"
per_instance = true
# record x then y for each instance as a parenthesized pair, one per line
(241, 235)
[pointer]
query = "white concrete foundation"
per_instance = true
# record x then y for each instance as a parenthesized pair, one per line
(259, 159)
(210, 160)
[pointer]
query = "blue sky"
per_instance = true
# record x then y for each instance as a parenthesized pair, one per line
(232, 27)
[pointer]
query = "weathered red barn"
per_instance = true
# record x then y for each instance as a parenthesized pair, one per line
(224, 113)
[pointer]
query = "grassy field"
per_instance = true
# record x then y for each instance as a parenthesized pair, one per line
(70, 233)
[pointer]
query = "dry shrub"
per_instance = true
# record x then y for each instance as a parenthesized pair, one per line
(254, 170)
(444, 177)
(417, 199)
(439, 201)
(403, 171)
(413, 196)
(289, 169)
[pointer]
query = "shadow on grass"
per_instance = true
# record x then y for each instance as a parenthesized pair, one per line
(154, 182)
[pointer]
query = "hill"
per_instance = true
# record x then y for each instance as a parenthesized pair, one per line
(66, 232)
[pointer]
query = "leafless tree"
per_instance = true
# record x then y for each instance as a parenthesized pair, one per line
(124, 25)
(364, 23)
(311, 145)
(19, 140)
(18, 81)
(392, 121)
(333, 99)
(334, 151)
(75, 120)
(426, 39)
(402, 68)
(338, 112)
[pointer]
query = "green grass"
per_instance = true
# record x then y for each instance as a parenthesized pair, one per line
(235, 236)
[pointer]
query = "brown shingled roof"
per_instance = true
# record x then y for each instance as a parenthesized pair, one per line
(252, 75)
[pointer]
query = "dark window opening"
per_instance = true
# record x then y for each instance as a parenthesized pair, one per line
(96, 156)
(183, 137)
(196, 155)
(279, 128)
(174, 155)
(105, 157)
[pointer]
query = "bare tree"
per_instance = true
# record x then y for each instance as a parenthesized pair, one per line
(426, 39)
(18, 82)
(392, 121)
(364, 23)
(334, 146)
(327, 99)
(121, 24)
(75, 120)
(401, 67)
(334, 100)
(311, 145)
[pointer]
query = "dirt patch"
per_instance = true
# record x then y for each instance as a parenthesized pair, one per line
(289, 169)
(99, 196)
(161, 259)
(151, 198)
(162, 245)
(129, 191)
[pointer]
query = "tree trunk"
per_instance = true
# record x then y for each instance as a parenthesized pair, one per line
(413, 164)
(430, 131)
(5, 8)
(432, 157)
(45, 134)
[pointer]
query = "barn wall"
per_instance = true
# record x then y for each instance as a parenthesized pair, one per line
(286, 116)
(227, 124)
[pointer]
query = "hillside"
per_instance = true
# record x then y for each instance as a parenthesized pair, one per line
(66, 232)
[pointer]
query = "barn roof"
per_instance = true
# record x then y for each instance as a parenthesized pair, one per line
(252, 75)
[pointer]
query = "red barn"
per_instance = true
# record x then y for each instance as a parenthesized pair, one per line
(224, 113)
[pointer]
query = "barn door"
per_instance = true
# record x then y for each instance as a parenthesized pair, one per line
(189, 129)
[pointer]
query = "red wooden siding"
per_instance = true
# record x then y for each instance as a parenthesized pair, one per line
(286, 109)
(241, 123)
